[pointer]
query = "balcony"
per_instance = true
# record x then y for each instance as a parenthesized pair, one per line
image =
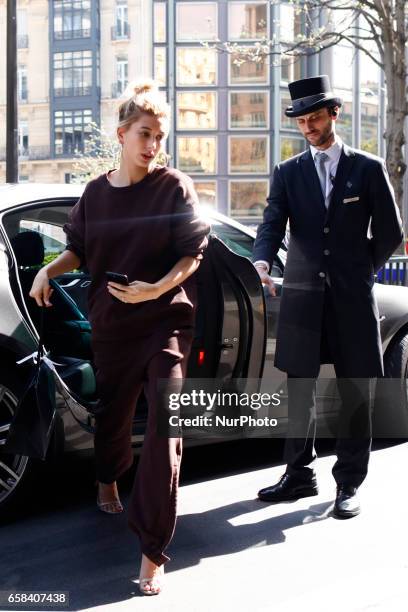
(61, 92)
(22, 41)
(29, 153)
(69, 34)
(118, 87)
(120, 31)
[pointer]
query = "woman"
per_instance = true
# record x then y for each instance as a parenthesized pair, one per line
(139, 220)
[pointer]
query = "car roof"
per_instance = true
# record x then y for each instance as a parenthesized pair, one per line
(16, 194)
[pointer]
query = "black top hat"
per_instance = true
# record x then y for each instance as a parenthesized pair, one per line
(311, 94)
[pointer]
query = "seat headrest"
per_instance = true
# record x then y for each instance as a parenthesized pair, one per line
(28, 248)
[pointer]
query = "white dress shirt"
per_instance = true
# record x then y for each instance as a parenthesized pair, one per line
(333, 152)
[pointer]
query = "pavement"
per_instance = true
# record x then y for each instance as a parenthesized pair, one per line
(231, 551)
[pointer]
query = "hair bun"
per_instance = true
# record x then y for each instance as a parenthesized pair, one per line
(141, 87)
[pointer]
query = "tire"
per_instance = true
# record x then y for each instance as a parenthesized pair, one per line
(18, 473)
(390, 419)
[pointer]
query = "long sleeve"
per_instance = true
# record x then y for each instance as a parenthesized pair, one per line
(272, 230)
(386, 225)
(75, 229)
(189, 231)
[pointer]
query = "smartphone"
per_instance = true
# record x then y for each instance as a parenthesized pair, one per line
(121, 279)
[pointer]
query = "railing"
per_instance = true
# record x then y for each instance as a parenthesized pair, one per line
(72, 91)
(395, 272)
(31, 153)
(120, 32)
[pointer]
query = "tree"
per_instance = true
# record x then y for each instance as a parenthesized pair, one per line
(365, 24)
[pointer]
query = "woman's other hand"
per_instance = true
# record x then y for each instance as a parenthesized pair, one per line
(135, 292)
(41, 290)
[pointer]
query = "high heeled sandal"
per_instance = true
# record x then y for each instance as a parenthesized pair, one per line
(115, 503)
(155, 581)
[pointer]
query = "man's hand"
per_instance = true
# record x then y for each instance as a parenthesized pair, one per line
(135, 292)
(265, 278)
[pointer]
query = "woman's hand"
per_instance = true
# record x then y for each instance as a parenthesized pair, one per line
(135, 292)
(41, 290)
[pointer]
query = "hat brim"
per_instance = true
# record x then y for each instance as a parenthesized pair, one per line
(305, 110)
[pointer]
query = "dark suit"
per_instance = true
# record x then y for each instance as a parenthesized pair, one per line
(328, 311)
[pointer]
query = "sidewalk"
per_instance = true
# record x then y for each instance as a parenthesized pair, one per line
(234, 552)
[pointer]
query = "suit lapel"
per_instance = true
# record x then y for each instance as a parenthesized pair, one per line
(346, 162)
(312, 180)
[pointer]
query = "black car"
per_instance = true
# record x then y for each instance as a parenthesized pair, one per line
(235, 332)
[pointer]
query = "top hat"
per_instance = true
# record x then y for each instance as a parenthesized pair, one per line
(311, 94)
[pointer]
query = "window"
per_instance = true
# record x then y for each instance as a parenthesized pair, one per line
(196, 110)
(290, 69)
(249, 72)
(159, 21)
(248, 154)
(207, 192)
(196, 21)
(291, 146)
(53, 236)
(22, 83)
(71, 131)
(121, 74)
(286, 122)
(196, 66)
(247, 20)
(249, 110)
(237, 241)
(22, 36)
(248, 198)
(197, 154)
(121, 28)
(290, 23)
(23, 139)
(342, 83)
(72, 19)
(160, 69)
(370, 100)
(73, 73)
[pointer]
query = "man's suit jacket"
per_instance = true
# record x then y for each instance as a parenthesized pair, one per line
(330, 245)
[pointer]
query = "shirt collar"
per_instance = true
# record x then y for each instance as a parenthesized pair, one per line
(334, 151)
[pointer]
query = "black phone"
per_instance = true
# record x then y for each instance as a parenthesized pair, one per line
(115, 277)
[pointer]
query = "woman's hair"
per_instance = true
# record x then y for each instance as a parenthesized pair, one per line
(142, 97)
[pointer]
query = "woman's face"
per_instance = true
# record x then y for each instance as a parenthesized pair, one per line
(143, 140)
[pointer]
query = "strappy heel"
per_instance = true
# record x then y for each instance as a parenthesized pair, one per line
(115, 504)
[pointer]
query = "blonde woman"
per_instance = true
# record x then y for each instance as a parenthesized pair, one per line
(140, 220)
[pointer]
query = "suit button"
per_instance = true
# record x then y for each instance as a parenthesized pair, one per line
(326, 252)
(326, 230)
(322, 275)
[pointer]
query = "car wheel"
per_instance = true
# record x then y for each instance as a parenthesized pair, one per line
(390, 419)
(16, 471)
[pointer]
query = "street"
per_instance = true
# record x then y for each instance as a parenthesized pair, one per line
(230, 551)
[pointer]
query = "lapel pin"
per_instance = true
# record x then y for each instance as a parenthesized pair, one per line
(349, 184)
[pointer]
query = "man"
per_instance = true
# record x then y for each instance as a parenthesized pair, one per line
(344, 225)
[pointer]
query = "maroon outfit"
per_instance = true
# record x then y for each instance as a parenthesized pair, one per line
(141, 230)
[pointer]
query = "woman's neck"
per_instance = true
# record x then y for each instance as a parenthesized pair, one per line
(124, 175)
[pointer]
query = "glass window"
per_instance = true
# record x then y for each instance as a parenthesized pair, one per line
(290, 22)
(72, 129)
(370, 97)
(22, 83)
(72, 19)
(286, 122)
(237, 241)
(196, 21)
(122, 76)
(290, 69)
(196, 110)
(207, 192)
(248, 72)
(342, 83)
(160, 69)
(23, 138)
(247, 20)
(73, 73)
(197, 154)
(159, 31)
(248, 198)
(249, 109)
(291, 146)
(196, 66)
(53, 236)
(248, 154)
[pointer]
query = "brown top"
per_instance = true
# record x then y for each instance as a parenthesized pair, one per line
(141, 230)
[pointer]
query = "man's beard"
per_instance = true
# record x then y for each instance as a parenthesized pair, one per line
(325, 136)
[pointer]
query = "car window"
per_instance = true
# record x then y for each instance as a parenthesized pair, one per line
(242, 244)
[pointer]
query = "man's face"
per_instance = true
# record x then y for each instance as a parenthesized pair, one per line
(317, 127)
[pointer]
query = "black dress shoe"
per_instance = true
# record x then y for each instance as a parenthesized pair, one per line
(289, 487)
(346, 504)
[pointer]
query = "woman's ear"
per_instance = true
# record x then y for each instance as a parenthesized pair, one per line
(119, 133)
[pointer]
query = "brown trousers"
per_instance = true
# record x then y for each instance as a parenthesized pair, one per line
(123, 368)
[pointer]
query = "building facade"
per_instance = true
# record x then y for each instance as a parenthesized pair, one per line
(229, 129)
